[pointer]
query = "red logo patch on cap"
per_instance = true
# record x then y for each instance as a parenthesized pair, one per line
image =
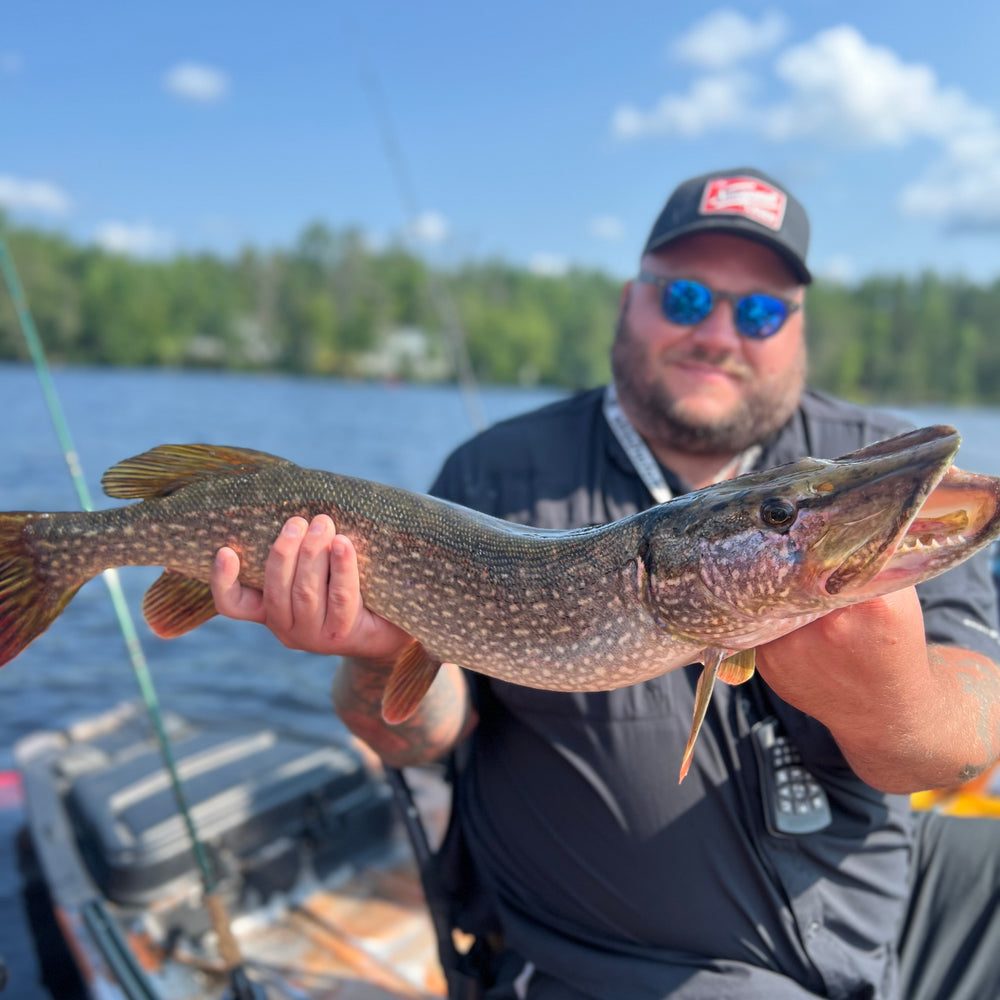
(745, 196)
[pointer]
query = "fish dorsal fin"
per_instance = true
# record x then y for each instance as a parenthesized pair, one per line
(411, 678)
(175, 604)
(738, 668)
(169, 467)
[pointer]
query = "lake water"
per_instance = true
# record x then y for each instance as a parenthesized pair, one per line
(393, 434)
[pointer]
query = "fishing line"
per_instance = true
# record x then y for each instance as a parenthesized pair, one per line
(460, 972)
(443, 302)
(228, 947)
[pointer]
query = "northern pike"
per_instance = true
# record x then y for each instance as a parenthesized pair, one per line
(703, 578)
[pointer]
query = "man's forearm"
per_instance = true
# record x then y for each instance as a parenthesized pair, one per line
(946, 734)
(442, 719)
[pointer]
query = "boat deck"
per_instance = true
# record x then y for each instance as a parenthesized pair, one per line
(358, 931)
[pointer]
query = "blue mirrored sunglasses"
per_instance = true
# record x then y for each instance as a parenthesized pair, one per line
(686, 302)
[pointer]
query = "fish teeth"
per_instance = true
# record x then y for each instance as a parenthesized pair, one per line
(912, 542)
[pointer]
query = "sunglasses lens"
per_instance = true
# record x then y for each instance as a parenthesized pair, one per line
(686, 302)
(760, 316)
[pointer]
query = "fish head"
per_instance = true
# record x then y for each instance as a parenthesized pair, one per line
(802, 539)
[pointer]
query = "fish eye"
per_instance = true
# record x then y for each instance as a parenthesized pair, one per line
(777, 513)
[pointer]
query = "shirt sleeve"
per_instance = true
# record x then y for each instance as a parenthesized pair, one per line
(458, 482)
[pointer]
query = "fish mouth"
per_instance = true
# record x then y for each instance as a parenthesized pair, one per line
(942, 515)
(960, 515)
(880, 493)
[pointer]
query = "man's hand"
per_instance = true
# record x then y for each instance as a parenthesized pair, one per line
(906, 716)
(311, 598)
(312, 601)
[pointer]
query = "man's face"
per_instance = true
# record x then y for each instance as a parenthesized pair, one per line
(707, 389)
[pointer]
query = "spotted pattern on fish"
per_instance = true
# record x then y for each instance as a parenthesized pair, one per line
(588, 609)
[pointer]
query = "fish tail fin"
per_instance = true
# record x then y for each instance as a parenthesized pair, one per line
(29, 602)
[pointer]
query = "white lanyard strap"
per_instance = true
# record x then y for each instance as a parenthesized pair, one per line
(642, 458)
(637, 450)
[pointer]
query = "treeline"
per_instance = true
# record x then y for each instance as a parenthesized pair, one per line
(332, 305)
(329, 305)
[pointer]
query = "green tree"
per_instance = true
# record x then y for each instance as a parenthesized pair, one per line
(326, 302)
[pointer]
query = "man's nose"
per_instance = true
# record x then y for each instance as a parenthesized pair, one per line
(719, 326)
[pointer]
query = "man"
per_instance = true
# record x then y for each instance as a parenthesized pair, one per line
(603, 878)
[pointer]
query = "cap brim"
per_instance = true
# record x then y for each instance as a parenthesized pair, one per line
(734, 226)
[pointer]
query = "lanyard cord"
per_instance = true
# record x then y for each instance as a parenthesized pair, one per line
(645, 465)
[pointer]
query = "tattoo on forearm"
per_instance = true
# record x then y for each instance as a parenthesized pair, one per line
(427, 735)
(980, 681)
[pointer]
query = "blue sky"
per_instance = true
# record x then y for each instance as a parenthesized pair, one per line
(547, 134)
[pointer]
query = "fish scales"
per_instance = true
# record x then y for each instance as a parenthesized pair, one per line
(524, 602)
(705, 577)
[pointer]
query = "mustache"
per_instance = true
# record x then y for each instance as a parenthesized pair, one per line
(723, 361)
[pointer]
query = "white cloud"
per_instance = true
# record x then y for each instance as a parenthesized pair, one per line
(373, 242)
(849, 90)
(196, 83)
(846, 88)
(839, 268)
(839, 89)
(712, 102)
(430, 227)
(961, 195)
(132, 239)
(33, 196)
(10, 63)
(606, 227)
(724, 37)
(548, 265)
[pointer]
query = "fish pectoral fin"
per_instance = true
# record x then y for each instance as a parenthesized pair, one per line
(411, 678)
(702, 696)
(734, 669)
(738, 668)
(169, 467)
(175, 604)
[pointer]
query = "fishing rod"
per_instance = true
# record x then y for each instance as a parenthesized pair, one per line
(242, 988)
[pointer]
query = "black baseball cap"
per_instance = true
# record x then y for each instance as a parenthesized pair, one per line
(744, 202)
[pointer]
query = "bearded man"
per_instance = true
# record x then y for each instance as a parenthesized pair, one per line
(788, 865)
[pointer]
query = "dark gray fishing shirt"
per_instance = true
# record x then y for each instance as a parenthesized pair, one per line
(599, 868)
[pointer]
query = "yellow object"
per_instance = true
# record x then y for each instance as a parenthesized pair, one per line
(979, 797)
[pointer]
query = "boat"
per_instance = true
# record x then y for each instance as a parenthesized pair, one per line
(316, 871)
(301, 836)
(319, 876)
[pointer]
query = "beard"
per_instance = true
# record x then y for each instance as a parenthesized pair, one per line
(765, 406)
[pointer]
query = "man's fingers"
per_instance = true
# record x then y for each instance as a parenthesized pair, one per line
(347, 618)
(279, 575)
(231, 597)
(343, 595)
(312, 574)
(311, 598)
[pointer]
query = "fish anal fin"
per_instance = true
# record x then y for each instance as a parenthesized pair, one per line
(411, 678)
(176, 604)
(702, 697)
(738, 668)
(169, 467)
